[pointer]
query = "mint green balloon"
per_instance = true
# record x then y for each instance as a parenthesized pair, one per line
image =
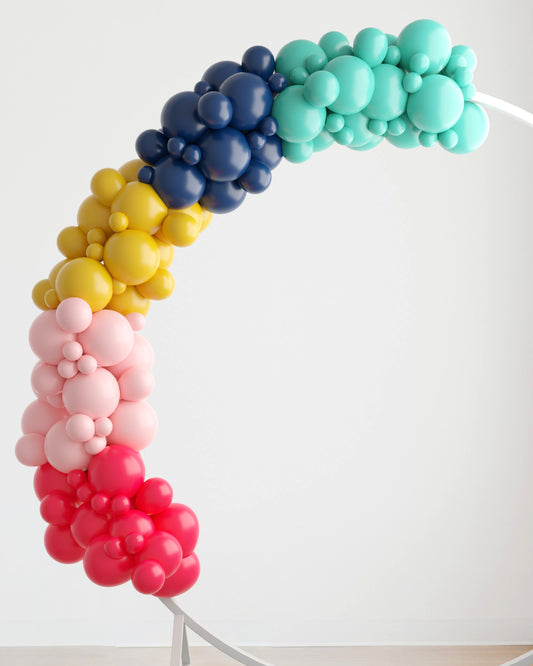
(374, 141)
(358, 123)
(298, 121)
(297, 152)
(356, 81)
(472, 129)
(408, 138)
(322, 141)
(460, 51)
(389, 98)
(321, 88)
(429, 38)
(437, 105)
(294, 54)
(335, 44)
(371, 45)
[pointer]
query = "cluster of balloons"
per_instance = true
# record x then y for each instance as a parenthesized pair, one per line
(118, 255)
(413, 89)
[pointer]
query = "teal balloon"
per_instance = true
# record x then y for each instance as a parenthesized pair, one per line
(321, 88)
(408, 138)
(371, 46)
(390, 97)
(427, 37)
(298, 121)
(472, 129)
(437, 105)
(358, 123)
(294, 54)
(334, 122)
(374, 141)
(393, 56)
(322, 141)
(335, 44)
(356, 81)
(297, 152)
(467, 53)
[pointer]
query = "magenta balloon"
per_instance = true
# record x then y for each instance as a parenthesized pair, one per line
(141, 356)
(57, 508)
(181, 521)
(118, 470)
(154, 496)
(183, 579)
(63, 452)
(105, 570)
(45, 380)
(148, 577)
(163, 548)
(134, 424)
(109, 338)
(95, 395)
(136, 383)
(134, 521)
(87, 524)
(47, 337)
(47, 479)
(61, 545)
(29, 450)
(40, 416)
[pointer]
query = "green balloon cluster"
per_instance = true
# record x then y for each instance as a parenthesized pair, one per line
(413, 90)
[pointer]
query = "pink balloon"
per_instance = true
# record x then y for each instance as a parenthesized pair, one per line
(87, 364)
(30, 450)
(40, 416)
(80, 427)
(141, 355)
(95, 395)
(109, 338)
(136, 384)
(45, 380)
(95, 445)
(72, 351)
(134, 425)
(73, 314)
(64, 453)
(137, 320)
(47, 338)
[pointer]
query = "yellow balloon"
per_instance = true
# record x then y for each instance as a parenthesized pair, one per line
(85, 278)
(118, 222)
(96, 236)
(38, 293)
(206, 218)
(106, 184)
(72, 242)
(129, 301)
(142, 206)
(55, 270)
(181, 227)
(131, 256)
(93, 214)
(160, 286)
(95, 251)
(51, 299)
(166, 252)
(130, 169)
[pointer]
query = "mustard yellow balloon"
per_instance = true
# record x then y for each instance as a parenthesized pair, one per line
(205, 219)
(166, 252)
(85, 278)
(181, 227)
(96, 236)
(106, 184)
(72, 242)
(38, 293)
(51, 299)
(93, 214)
(131, 256)
(55, 270)
(129, 301)
(159, 286)
(131, 169)
(142, 206)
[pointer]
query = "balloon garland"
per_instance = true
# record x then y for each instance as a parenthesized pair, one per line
(217, 143)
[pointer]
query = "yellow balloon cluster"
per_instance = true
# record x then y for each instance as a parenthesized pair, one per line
(119, 253)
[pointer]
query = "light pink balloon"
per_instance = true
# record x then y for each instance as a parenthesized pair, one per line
(47, 338)
(30, 450)
(67, 369)
(141, 355)
(40, 416)
(136, 384)
(95, 445)
(56, 400)
(109, 338)
(64, 453)
(95, 395)
(45, 380)
(134, 425)
(137, 320)
(72, 351)
(74, 314)
(80, 427)
(103, 427)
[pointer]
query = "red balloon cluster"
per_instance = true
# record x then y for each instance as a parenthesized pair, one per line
(122, 526)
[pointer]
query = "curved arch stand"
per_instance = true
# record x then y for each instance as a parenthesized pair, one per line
(180, 655)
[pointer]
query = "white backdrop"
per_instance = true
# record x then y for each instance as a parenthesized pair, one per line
(345, 370)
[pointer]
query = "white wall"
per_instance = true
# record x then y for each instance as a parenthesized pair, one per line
(345, 371)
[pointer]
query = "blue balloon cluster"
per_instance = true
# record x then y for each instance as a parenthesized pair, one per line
(414, 89)
(218, 142)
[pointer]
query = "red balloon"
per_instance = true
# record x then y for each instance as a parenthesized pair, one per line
(133, 522)
(117, 470)
(148, 577)
(60, 544)
(47, 479)
(182, 522)
(154, 496)
(184, 578)
(164, 548)
(105, 570)
(57, 508)
(87, 524)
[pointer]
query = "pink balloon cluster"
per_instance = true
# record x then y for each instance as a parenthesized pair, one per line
(122, 526)
(91, 383)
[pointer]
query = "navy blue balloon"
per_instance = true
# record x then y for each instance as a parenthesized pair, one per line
(222, 197)
(250, 97)
(256, 178)
(220, 71)
(215, 110)
(151, 146)
(270, 154)
(177, 183)
(256, 140)
(202, 87)
(179, 117)
(225, 154)
(277, 82)
(258, 60)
